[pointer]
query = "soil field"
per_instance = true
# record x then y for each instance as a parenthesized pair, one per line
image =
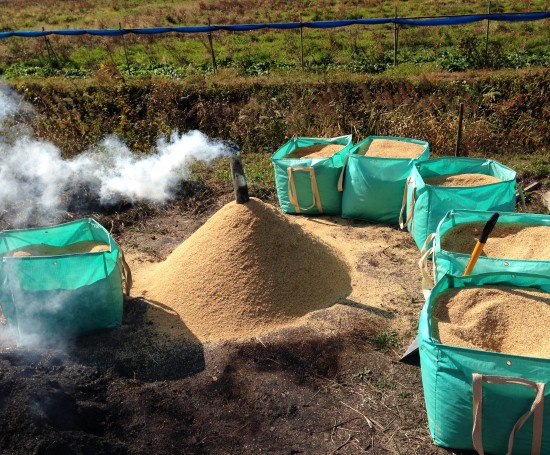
(332, 384)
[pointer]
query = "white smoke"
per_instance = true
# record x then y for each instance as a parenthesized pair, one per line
(10, 103)
(34, 176)
(122, 174)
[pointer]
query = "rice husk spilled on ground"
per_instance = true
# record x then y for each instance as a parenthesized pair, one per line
(461, 180)
(495, 318)
(315, 151)
(388, 148)
(507, 240)
(245, 272)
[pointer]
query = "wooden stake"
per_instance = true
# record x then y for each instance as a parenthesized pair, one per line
(212, 48)
(239, 180)
(459, 132)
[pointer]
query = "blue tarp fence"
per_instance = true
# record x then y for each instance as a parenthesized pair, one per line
(414, 22)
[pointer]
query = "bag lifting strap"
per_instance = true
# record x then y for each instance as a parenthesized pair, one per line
(404, 204)
(427, 280)
(537, 409)
(341, 178)
(125, 272)
(292, 194)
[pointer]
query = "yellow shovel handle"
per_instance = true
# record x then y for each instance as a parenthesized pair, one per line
(475, 255)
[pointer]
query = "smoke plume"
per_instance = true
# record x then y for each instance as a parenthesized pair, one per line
(35, 177)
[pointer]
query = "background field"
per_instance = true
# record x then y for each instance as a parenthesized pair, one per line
(363, 49)
(260, 97)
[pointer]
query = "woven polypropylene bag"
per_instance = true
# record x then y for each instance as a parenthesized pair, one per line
(454, 263)
(426, 205)
(450, 374)
(373, 186)
(64, 295)
(309, 186)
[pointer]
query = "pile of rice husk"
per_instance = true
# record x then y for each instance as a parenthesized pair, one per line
(246, 271)
(461, 180)
(495, 318)
(43, 249)
(507, 240)
(315, 151)
(388, 148)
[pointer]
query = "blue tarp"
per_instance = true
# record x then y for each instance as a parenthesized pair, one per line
(418, 22)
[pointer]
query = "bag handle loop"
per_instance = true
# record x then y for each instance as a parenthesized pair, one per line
(341, 178)
(292, 194)
(425, 252)
(404, 204)
(537, 409)
(125, 272)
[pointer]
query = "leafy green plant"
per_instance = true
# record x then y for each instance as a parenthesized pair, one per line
(363, 374)
(386, 340)
(385, 384)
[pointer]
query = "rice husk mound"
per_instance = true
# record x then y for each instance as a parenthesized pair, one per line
(43, 249)
(388, 148)
(315, 151)
(507, 240)
(495, 318)
(461, 180)
(247, 271)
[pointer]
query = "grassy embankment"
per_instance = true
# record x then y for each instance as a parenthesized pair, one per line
(507, 115)
(357, 49)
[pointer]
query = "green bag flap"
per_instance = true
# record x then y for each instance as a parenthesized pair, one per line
(59, 235)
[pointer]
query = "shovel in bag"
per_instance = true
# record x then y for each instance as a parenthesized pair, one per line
(411, 355)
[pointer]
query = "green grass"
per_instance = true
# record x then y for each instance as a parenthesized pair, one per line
(386, 340)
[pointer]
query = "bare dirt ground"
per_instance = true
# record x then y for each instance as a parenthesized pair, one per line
(332, 384)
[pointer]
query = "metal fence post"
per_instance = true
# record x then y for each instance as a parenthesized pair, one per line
(47, 45)
(301, 43)
(395, 39)
(124, 44)
(487, 33)
(212, 48)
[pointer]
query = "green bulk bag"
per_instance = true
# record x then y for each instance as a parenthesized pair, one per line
(373, 186)
(310, 185)
(427, 204)
(454, 263)
(45, 297)
(505, 387)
